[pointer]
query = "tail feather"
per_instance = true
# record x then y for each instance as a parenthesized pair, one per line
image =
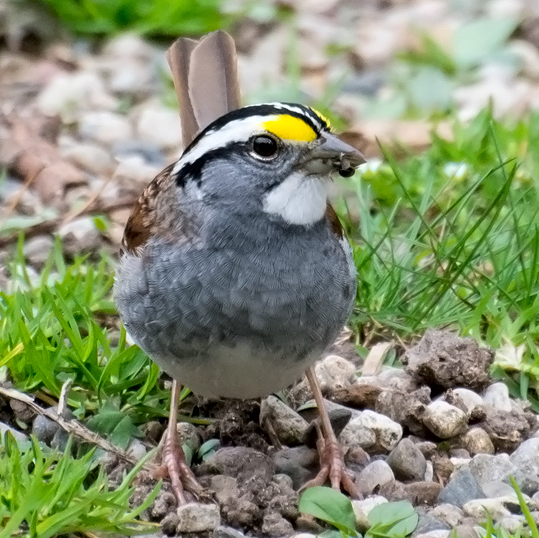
(205, 77)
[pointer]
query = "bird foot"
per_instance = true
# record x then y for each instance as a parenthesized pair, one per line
(181, 477)
(332, 467)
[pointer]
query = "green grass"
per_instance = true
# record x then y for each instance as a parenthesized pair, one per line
(56, 495)
(157, 18)
(437, 249)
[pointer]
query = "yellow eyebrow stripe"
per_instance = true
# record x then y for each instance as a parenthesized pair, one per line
(289, 127)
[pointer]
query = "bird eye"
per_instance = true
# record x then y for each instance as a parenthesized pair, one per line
(265, 146)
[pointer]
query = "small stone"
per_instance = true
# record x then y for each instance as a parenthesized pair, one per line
(274, 524)
(150, 153)
(69, 93)
(44, 429)
(239, 462)
(89, 157)
(303, 535)
(136, 449)
(461, 488)
(19, 436)
(397, 378)
(334, 372)
(487, 468)
(496, 489)
(362, 509)
(371, 430)
(37, 249)
(283, 481)
(512, 523)
(80, 235)
(506, 429)
(467, 531)
(407, 461)
(479, 508)
(105, 127)
(438, 533)
(227, 532)
(189, 435)
(376, 474)
(497, 397)
(224, 487)
(452, 515)
(359, 395)
(299, 463)
(469, 398)
(163, 505)
(153, 431)
(241, 512)
(428, 448)
(429, 472)
(196, 517)
(159, 125)
(526, 459)
(477, 441)
(423, 493)
(444, 420)
(428, 523)
(288, 425)
(169, 524)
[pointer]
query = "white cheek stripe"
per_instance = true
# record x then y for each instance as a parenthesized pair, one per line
(298, 199)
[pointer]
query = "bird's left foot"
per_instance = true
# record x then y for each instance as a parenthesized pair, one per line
(332, 467)
(174, 466)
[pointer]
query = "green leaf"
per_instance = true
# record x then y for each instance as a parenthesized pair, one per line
(330, 506)
(394, 519)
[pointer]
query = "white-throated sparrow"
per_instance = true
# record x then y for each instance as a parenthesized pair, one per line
(235, 273)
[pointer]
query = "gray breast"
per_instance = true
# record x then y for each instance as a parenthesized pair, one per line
(284, 298)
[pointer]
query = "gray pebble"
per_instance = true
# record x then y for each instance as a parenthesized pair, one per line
(289, 427)
(20, 437)
(275, 525)
(452, 515)
(227, 532)
(497, 397)
(44, 429)
(371, 430)
(299, 463)
(196, 517)
(428, 523)
(526, 459)
(461, 488)
(376, 474)
(407, 461)
(37, 249)
(487, 468)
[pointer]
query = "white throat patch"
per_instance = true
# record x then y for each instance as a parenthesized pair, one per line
(298, 199)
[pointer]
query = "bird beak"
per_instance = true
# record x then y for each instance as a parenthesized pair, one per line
(331, 154)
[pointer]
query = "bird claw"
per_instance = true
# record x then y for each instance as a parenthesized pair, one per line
(332, 467)
(181, 477)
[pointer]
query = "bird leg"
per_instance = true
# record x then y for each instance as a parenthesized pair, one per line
(332, 464)
(173, 459)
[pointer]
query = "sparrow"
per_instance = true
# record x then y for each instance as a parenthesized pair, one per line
(235, 273)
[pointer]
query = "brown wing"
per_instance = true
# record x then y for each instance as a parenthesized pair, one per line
(141, 223)
(334, 222)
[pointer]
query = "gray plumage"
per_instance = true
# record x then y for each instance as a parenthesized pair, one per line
(243, 302)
